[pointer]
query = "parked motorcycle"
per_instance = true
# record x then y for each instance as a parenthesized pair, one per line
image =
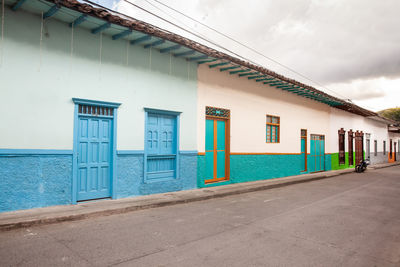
(362, 166)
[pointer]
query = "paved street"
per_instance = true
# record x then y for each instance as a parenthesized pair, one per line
(348, 220)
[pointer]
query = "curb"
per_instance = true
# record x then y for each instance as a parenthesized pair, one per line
(179, 199)
(384, 166)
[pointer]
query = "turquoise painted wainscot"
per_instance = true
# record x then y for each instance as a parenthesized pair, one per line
(249, 167)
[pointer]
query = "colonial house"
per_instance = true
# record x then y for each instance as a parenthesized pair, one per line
(99, 105)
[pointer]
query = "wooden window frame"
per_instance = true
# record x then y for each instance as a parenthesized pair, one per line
(342, 146)
(305, 148)
(273, 124)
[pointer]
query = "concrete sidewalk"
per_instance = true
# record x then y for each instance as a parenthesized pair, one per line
(48, 215)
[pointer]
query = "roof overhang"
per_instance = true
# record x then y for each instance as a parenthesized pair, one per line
(119, 26)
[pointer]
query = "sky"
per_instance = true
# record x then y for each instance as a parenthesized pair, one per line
(347, 48)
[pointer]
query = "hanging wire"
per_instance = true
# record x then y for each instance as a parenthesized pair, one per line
(101, 46)
(127, 52)
(170, 63)
(150, 59)
(72, 40)
(2, 33)
(40, 43)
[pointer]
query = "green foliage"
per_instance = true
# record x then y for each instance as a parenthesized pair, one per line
(391, 113)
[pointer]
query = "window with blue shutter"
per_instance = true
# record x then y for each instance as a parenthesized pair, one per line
(161, 146)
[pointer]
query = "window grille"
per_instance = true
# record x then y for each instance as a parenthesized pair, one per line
(95, 110)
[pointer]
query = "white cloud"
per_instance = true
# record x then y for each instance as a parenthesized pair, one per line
(350, 45)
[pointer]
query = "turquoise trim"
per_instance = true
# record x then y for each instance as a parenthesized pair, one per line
(141, 152)
(114, 157)
(79, 20)
(161, 111)
(75, 154)
(188, 152)
(130, 152)
(32, 152)
(95, 103)
(18, 5)
(53, 10)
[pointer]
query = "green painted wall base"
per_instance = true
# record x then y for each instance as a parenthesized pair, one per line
(335, 161)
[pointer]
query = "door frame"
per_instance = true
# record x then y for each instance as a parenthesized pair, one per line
(113, 164)
(305, 149)
(227, 149)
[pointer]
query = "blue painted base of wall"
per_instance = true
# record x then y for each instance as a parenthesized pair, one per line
(41, 178)
(130, 180)
(247, 168)
(32, 181)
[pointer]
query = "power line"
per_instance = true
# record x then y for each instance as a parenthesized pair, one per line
(246, 46)
(198, 36)
(206, 39)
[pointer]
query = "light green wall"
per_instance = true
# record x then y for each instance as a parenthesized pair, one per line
(39, 81)
(335, 161)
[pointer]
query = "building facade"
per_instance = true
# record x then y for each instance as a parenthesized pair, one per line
(96, 105)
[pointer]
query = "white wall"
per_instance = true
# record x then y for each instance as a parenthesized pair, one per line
(377, 130)
(249, 103)
(38, 84)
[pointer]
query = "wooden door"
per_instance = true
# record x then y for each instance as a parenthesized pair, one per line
(359, 144)
(94, 158)
(303, 148)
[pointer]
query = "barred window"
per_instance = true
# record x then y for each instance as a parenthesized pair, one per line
(273, 129)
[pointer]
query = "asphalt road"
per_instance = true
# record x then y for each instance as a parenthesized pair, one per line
(348, 220)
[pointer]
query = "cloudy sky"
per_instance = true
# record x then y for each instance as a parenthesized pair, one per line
(348, 48)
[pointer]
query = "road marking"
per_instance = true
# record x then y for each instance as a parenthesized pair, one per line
(268, 200)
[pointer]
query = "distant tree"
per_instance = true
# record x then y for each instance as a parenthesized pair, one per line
(391, 113)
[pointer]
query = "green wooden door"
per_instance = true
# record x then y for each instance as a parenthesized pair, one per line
(216, 154)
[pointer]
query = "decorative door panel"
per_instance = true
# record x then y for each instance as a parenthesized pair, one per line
(94, 159)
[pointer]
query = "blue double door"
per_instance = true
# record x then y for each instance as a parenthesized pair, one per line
(94, 157)
(317, 153)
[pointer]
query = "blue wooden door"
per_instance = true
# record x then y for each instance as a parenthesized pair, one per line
(94, 158)
(317, 153)
(215, 150)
